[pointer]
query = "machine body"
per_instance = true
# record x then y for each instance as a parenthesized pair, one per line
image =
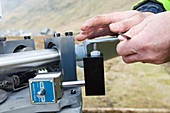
(58, 87)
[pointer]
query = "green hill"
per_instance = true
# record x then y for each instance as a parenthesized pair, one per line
(60, 15)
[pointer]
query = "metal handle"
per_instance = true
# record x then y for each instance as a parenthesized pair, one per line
(74, 83)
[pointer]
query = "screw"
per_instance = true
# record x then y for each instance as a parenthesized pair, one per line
(57, 35)
(27, 37)
(73, 91)
(2, 38)
(68, 33)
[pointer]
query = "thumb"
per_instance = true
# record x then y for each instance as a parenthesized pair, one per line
(131, 46)
(131, 33)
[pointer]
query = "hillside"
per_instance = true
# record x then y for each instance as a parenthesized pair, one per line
(33, 15)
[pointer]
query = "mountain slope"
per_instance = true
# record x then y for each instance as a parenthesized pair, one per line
(56, 14)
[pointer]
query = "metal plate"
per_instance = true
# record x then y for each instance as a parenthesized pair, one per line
(19, 102)
(3, 96)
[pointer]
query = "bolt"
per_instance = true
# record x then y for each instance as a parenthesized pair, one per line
(2, 38)
(68, 33)
(73, 91)
(54, 34)
(57, 35)
(27, 37)
(41, 93)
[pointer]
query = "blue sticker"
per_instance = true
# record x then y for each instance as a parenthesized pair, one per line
(38, 86)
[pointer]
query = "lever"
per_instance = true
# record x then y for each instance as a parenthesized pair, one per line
(73, 83)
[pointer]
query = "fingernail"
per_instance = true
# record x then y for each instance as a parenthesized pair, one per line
(124, 36)
(80, 37)
(121, 38)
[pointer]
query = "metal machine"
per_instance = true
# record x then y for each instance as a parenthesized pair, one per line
(55, 88)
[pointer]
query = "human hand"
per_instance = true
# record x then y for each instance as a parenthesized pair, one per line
(111, 24)
(150, 41)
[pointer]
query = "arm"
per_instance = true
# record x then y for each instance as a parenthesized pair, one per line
(153, 6)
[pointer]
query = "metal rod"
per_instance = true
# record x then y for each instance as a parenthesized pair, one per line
(94, 47)
(74, 83)
(29, 60)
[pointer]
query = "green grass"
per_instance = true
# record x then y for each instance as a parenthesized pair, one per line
(133, 86)
(164, 81)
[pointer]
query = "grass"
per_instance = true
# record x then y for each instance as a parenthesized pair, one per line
(164, 81)
(133, 86)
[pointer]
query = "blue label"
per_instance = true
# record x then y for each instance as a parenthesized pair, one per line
(47, 86)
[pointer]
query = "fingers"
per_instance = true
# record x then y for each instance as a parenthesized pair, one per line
(143, 57)
(81, 37)
(125, 25)
(121, 22)
(131, 58)
(94, 25)
(134, 30)
(136, 49)
(100, 20)
(97, 26)
(94, 33)
(135, 44)
(107, 19)
(127, 47)
(138, 58)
